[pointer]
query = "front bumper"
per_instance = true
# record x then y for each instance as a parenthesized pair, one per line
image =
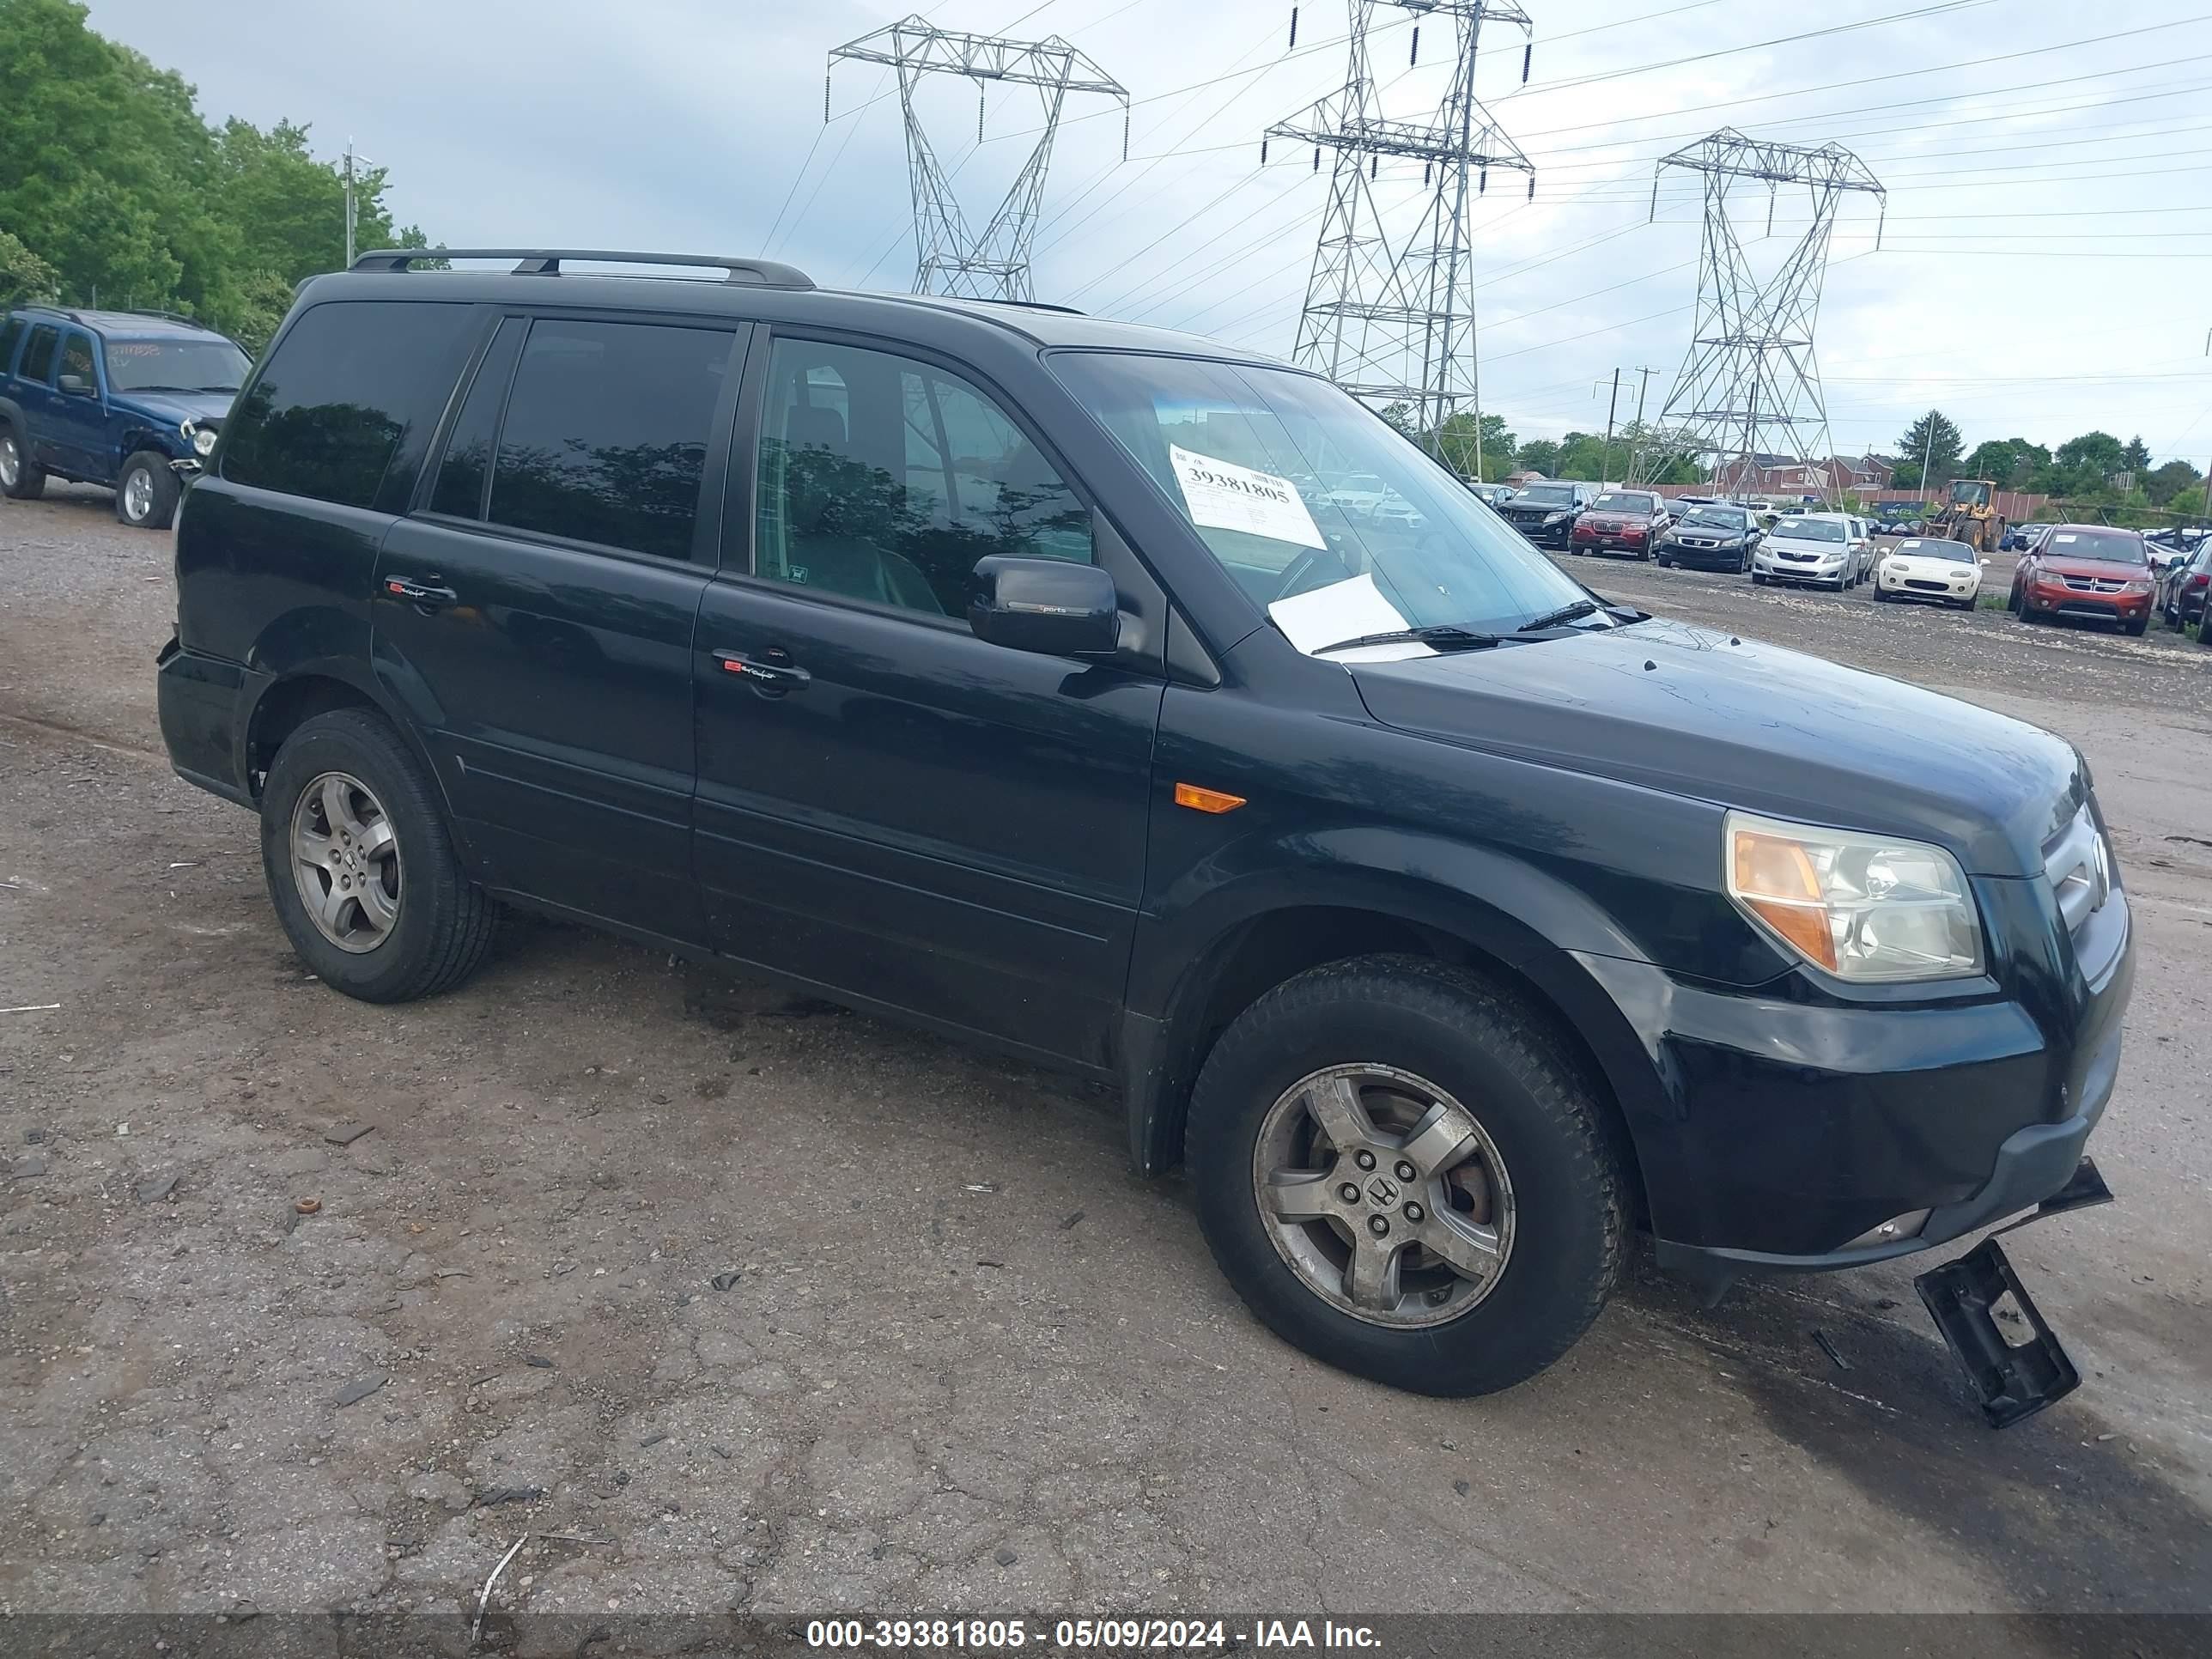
(1787, 1127)
(1776, 567)
(1557, 535)
(1595, 543)
(2046, 601)
(1703, 558)
(1891, 582)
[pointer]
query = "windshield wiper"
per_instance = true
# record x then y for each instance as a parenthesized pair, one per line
(1438, 636)
(1566, 613)
(218, 388)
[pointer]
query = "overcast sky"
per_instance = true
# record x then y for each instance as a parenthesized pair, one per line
(2043, 269)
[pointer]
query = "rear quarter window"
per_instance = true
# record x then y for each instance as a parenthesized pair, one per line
(350, 382)
(11, 331)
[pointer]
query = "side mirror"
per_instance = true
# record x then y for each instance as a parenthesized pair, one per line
(1985, 564)
(75, 385)
(1050, 606)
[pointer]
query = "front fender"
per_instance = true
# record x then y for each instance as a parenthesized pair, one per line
(1500, 908)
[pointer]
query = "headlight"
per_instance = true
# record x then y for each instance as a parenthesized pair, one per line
(2139, 585)
(204, 443)
(1865, 908)
(1554, 518)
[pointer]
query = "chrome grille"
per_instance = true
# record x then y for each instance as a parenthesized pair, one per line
(2079, 868)
(2094, 584)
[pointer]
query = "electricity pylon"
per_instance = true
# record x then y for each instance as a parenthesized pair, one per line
(1750, 385)
(1392, 320)
(993, 264)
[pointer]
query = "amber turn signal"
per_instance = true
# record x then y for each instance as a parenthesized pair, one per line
(1206, 800)
(1775, 879)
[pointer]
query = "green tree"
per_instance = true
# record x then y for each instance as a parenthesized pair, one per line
(1539, 455)
(115, 183)
(1456, 446)
(1933, 441)
(1582, 455)
(2083, 467)
(1401, 416)
(1661, 454)
(23, 274)
(2175, 482)
(2137, 455)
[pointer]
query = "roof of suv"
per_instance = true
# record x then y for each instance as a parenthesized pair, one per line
(785, 294)
(123, 324)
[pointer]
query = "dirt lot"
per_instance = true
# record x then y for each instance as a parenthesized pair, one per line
(735, 1301)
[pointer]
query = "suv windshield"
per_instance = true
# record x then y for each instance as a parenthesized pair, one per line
(1548, 494)
(1220, 440)
(1617, 502)
(175, 366)
(1809, 530)
(2113, 546)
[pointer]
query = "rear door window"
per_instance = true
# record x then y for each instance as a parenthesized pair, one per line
(39, 353)
(350, 382)
(11, 332)
(605, 434)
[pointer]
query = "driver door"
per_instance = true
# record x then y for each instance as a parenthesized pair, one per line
(889, 807)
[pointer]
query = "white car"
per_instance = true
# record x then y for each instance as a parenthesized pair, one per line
(1863, 537)
(1398, 513)
(1358, 495)
(1807, 547)
(1926, 568)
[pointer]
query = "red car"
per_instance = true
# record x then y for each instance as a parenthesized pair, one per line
(1628, 519)
(2085, 570)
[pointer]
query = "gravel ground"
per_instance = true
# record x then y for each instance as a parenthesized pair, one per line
(733, 1300)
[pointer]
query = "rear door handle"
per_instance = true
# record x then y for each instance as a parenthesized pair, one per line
(771, 674)
(418, 592)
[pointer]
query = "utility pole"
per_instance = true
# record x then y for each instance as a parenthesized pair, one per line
(1927, 455)
(1605, 466)
(1636, 447)
(993, 262)
(1750, 333)
(353, 164)
(1390, 316)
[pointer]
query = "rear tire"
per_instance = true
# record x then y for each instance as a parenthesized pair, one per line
(21, 479)
(436, 923)
(146, 492)
(1535, 1163)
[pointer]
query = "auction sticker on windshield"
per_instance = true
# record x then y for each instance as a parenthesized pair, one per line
(1222, 495)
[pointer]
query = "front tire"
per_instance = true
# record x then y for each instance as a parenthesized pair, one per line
(360, 866)
(21, 479)
(146, 492)
(1759, 579)
(1473, 1272)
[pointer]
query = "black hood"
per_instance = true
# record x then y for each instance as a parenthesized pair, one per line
(1690, 712)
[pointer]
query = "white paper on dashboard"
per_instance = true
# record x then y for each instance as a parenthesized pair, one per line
(1222, 495)
(1343, 611)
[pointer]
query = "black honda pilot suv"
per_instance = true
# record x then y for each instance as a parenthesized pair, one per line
(980, 665)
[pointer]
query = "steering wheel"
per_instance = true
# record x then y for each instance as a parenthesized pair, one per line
(1295, 572)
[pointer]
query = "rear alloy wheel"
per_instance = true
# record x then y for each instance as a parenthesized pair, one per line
(1400, 1174)
(21, 479)
(360, 866)
(146, 494)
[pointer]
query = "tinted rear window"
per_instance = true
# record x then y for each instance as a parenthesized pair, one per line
(349, 381)
(10, 332)
(39, 355)
(605, 434)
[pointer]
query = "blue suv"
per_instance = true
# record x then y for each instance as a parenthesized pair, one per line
(126, 399)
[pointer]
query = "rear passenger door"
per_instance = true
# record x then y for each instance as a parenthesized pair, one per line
(35, 394)
(535, 611)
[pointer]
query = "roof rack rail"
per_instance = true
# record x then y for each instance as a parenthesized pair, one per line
(546, 262)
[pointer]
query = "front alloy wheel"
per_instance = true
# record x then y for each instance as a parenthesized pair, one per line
(345, 861)
(1383, 1195)
(11, 461)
